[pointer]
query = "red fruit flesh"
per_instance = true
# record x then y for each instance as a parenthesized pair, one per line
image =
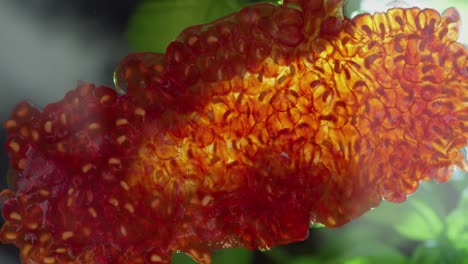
(241, 134)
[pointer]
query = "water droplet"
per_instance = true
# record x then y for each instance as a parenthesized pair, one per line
(264, 248)
(120, 86)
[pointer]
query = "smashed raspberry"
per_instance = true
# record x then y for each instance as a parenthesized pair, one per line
(241, 134)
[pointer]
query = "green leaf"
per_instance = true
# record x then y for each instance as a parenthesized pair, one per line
(372, 252)
(222, 256)
(359, 232)
(460, 178)
(278, 255)
(420, 217)
(437, 252)
(457, 223)
(426, 256)
(155, 23)
(306, 260)
(350, 7)
(463, 254)
(366, 260)
(421, 223)
(316, 225)
(182, 258)
(232, 256)
(358, 260)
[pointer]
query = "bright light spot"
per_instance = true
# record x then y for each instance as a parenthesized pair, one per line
(355, 13)
(373, 6)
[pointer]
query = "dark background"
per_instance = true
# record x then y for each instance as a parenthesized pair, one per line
(46, 46)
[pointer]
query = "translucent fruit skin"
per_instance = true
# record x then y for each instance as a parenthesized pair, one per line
(241, 134)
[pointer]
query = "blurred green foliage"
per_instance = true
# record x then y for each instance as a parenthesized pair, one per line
(430, 227)
(157, 22)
